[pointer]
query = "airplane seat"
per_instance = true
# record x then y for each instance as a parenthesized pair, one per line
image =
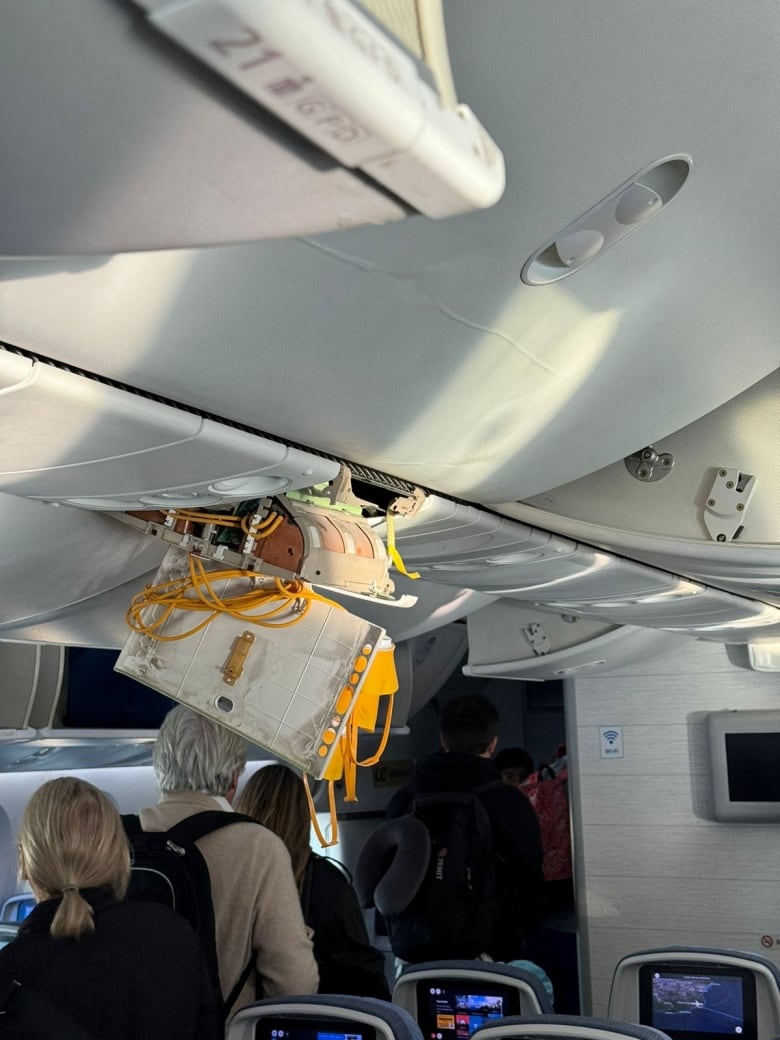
(447, 995)
(324, 1017)
(698, 993)
(565, 1027)
(16, 908)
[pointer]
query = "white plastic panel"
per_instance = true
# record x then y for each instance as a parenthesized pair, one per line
(97, 622)
(32, 679)
(434, 605)
(75, 440)
(501, 637)
(423, 664)
(663, 522)
(456, 544)
(298, 678)
(460, 545)
(20, 665)
(83, 185)
(64, 557)
(596, 654)
(685, 608)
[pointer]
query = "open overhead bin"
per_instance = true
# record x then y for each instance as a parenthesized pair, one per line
(164, 125)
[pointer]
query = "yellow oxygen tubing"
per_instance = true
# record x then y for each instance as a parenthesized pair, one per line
(196, 593)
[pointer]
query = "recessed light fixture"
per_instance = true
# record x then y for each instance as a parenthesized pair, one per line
(621, 212)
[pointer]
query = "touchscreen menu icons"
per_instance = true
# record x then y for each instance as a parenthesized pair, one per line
(454, 1015)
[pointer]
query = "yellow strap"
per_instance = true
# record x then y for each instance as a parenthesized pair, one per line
(334, 820)
(392, 552)
(373, 759)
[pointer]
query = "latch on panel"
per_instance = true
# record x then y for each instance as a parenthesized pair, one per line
(727, 503)
(234, 666)
(538, 638)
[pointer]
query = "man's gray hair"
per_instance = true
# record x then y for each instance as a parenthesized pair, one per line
(192, 753)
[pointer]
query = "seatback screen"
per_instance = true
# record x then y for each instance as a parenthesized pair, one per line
(17, 908)
(698, 1002)
(312, 1028)
(452, 1011)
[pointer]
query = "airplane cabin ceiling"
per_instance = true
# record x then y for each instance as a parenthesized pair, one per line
(415, 348)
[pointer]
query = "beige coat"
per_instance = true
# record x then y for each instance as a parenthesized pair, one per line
(256, 904)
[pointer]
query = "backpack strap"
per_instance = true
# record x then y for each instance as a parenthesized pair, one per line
(192, 828)
(232, 997)
(307, 885)
(132, 824)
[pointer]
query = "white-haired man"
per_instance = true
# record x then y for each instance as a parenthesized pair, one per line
(257, 910)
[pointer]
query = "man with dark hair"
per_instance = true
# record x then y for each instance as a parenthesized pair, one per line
(515, 765)
(469, 733)
(469, 726)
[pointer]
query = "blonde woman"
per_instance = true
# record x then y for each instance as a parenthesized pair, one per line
(347, 962)
(86, 964)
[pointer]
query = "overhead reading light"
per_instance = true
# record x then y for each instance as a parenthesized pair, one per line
(621, 212)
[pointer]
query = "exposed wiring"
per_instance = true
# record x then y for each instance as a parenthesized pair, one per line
(262, 529)
(197, 593)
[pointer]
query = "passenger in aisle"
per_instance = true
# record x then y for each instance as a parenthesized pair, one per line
(347, 962)
(256, 908)
(87, 965)
(469, 734)
(546, 791)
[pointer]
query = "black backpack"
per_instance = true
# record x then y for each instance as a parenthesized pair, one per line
(169, 868)
(452, 913)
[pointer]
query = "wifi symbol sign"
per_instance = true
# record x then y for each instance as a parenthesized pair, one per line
(611, 741)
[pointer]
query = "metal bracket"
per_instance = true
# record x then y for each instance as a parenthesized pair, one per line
(538, 638)
(234, 666)
(649, 465)
(727, 504)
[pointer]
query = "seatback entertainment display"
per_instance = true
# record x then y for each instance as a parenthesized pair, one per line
(311, 1028)
(452, 1011)
(698, 1002)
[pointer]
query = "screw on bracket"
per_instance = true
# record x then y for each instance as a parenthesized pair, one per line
(648, 465)
(727, 504)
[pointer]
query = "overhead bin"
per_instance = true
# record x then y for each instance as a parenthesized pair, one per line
(65, 558)
(453, 543)
(167, 125)
(78, 441)
(702, 501)
(32, 678)
(518, 641)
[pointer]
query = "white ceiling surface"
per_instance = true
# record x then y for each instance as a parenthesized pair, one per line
(414, 348)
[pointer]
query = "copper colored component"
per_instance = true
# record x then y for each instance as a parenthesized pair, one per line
(149, 516)
(283, 548)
